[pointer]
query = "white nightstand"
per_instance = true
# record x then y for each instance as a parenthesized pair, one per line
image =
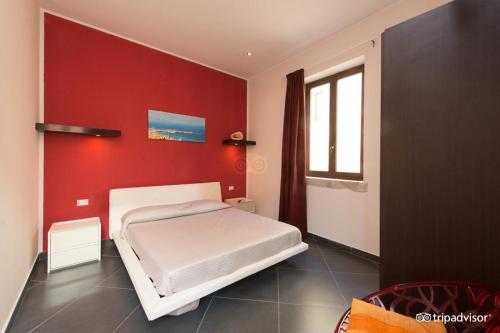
(74, 242)
(242, 203)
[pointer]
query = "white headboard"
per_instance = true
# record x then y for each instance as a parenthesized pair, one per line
(122, 200)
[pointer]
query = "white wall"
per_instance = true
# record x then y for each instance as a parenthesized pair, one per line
(350, 218)
(18, 148)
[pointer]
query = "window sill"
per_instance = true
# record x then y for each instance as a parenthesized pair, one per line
(353, 185)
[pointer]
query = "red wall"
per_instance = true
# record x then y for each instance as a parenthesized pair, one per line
(98, 80)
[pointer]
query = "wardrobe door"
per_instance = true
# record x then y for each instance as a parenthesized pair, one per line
(440, 158)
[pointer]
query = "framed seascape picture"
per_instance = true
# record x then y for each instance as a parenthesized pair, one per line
(175, 127)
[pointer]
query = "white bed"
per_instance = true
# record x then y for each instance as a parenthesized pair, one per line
(186, 258)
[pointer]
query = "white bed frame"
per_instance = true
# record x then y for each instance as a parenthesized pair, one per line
(125, 199)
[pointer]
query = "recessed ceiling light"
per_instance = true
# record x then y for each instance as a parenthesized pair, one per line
(249, 54)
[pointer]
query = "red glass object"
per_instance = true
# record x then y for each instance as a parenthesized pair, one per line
(439, 297)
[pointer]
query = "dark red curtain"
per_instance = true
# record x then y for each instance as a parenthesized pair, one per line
(293, 163)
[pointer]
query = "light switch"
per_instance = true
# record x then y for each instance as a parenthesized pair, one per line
(231, 188)
(82, 202)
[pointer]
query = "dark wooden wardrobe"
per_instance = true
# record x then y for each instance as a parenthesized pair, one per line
(440, 158)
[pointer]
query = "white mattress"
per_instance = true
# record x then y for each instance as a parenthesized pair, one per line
(182, 252)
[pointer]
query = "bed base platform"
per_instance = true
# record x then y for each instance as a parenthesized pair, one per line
(125, 199)
(155, 306)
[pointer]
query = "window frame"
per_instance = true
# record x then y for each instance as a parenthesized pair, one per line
(333, 79)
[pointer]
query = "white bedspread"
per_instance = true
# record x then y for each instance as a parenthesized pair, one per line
(182, 252)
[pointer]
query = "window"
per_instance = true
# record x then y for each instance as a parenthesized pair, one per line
(335, 126)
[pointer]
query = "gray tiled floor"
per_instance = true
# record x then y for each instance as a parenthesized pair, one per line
(307, 293)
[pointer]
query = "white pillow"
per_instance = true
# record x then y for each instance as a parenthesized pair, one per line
(160, 212)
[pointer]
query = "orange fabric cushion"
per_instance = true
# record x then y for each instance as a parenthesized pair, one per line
(369, 318)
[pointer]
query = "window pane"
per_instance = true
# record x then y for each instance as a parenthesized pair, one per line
(319, 122)
(348, 147)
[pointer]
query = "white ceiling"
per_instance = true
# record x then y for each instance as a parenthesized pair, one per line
(219, 33)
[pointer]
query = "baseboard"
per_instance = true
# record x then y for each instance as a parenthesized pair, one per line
(346, 248)
(15, 308)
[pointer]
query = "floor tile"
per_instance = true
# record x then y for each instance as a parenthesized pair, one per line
(89, 273)
(310, 241)
(357, 285)
(99, 311)
(308, 288)
(339, 261)
(111, 251)
(31, 284)
(119, 279)
(97, 297)
(236, 316)
(259, 286)
(137, 322)
(43, 301)
(309, 318)
(310, 259)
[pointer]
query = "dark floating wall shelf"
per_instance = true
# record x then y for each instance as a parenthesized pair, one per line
(57, 128)
(239, 142)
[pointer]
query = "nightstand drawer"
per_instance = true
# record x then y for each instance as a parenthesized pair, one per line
(74, 242)
(74, 256)
(72, 238)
